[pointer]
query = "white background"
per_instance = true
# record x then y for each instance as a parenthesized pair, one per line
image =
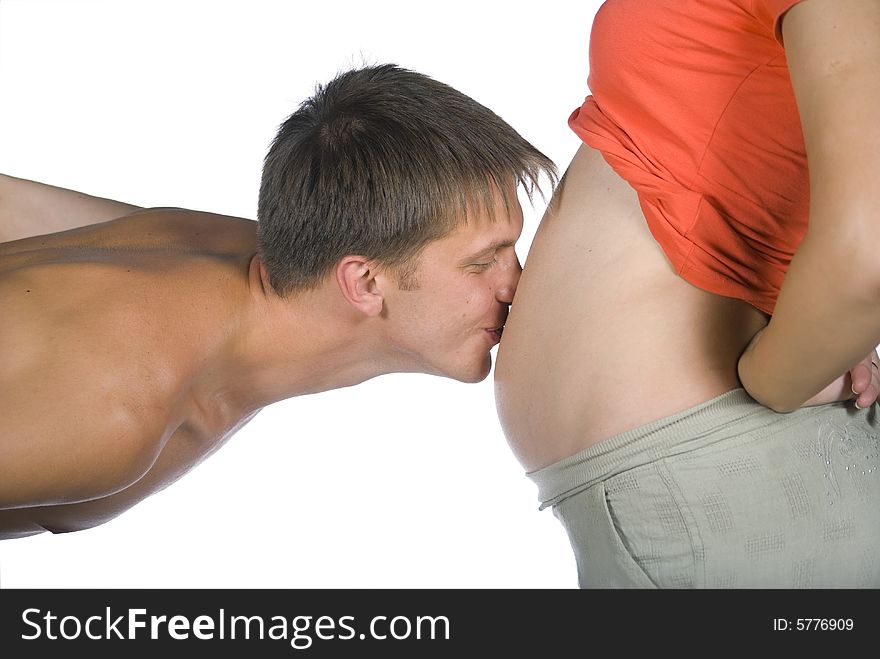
(404, 481)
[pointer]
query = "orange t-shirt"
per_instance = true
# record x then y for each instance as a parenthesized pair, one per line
(691, 103)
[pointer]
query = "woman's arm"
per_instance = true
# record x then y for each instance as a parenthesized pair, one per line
(29, 208)
(827, 316)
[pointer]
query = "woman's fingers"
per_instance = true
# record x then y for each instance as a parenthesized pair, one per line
(866, 381)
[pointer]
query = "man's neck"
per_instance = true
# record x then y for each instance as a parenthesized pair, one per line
(278, 348)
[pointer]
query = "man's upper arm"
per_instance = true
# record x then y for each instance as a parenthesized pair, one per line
(29, 208)
(833, 53)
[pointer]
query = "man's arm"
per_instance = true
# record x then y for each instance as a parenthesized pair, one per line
(29, 208)
(827, 316)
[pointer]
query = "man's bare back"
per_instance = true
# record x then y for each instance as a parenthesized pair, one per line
(134, 342)
(155, 291)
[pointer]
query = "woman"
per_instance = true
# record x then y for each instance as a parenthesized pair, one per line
(619, 381)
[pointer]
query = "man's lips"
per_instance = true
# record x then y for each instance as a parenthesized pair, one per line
(495, 332)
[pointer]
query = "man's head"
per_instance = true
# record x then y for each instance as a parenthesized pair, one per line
(389, 165)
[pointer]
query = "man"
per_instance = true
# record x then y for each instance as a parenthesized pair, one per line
(136, 346)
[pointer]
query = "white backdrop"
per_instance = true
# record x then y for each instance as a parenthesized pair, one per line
(404, 481)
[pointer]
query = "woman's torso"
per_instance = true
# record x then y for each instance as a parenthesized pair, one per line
(603, 336)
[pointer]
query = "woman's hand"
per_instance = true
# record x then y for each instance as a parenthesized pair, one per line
(861, 383)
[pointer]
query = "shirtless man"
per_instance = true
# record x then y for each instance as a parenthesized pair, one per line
(135, 342)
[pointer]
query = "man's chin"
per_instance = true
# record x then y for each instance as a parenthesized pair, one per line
(476, 372)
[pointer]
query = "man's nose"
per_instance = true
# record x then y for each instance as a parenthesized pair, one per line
(507, 289)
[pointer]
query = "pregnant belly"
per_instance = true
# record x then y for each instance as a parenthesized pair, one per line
(603, 336)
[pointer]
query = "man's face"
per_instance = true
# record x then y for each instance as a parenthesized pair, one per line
(466, 281)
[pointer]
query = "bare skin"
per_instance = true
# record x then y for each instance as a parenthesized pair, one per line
(635, 362)
(135, 348)
(147, 424)
(604, 337)
(832, 49)
(595, 352)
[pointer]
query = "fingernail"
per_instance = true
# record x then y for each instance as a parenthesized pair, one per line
(857, 404)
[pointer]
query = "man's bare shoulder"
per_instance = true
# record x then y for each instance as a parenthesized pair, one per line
(182, 451)
(100, 337)
(84, 381)
(68, 435)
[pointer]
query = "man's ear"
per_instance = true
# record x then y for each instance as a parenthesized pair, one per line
(357, 280)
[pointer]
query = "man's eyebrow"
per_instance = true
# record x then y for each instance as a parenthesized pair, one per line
(490, 249)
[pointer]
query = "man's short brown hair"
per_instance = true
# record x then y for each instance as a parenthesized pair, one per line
(379, 162)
